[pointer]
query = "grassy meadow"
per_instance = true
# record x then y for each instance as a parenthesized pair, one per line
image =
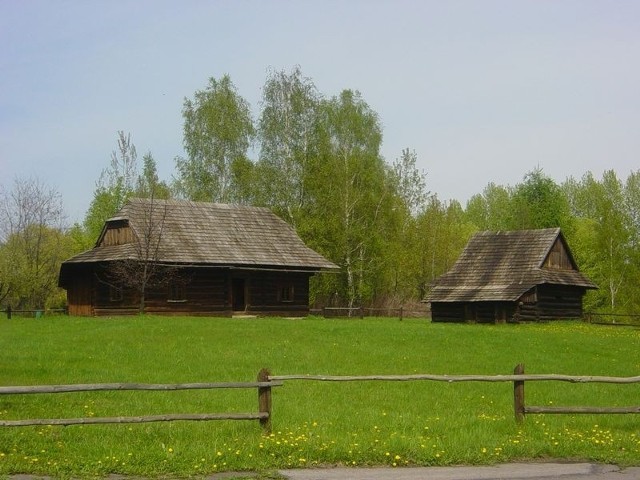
(314, 423)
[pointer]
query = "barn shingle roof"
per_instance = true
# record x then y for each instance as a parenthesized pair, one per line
(208, 233)
(502, 266)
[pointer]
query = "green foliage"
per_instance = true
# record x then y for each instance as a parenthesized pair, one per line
(604, 211)
(114, 188)
(218, 130)
(351, 192)
(492, 209)
(382, 423)
(148, 185)
(287, 130)
(32, 245)
(539, 202)
(410, 183)
(443, 234)
(103, 206)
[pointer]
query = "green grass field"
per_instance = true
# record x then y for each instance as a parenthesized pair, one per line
(314, 423)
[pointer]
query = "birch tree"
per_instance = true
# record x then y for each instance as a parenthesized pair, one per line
(401, 253)
(218, 131)
(603, 238)
(351, 195)
(287, 138)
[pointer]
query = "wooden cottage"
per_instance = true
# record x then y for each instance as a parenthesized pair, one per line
(196, 259)
(511, 276)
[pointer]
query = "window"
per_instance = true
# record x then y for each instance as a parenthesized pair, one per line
(177, 292)
(115, 293)
(285, 293)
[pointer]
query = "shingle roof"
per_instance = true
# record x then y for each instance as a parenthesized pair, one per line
(503, 266)
(210, 233)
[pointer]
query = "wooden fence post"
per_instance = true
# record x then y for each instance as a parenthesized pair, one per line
(518, 394)
(264, 400)
(9, 312)
(401, 313)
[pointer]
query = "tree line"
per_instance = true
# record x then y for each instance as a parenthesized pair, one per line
(315, 161)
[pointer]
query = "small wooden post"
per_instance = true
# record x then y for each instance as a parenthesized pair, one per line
(518, 394)
(264, 400)
(401, 313)
(9, 312)
(361, 312)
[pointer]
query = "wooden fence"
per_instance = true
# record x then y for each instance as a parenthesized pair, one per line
(263, 385)
(37, 313)
(265, 382)
(518, 379)
(618, 319)
(361, 312)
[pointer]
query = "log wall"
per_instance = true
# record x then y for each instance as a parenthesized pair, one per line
(546, 302)
(472, 312)
(554, 302)
(266, 289)
(206, 291)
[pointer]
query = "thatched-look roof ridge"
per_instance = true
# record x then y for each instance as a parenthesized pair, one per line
(201, 233)
(502, 266)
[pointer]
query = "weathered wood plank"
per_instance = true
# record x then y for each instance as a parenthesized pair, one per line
(264, 400)
(94, 387)
(140, 419)
(518, 394)
(461, 378)
(587, 410)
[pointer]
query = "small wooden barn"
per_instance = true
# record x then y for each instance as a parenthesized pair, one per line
(510, 276)
(216, 259)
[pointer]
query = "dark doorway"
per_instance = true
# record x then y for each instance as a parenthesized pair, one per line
(238, 295)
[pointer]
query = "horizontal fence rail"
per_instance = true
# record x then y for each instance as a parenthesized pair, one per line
(139, 419)
(460, 378)
(361, 312)
(97, 387)
(36, 312)
(263, 386)
(618, 319)
(588, 410)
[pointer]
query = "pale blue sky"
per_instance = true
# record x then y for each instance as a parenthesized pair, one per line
(481, 90)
